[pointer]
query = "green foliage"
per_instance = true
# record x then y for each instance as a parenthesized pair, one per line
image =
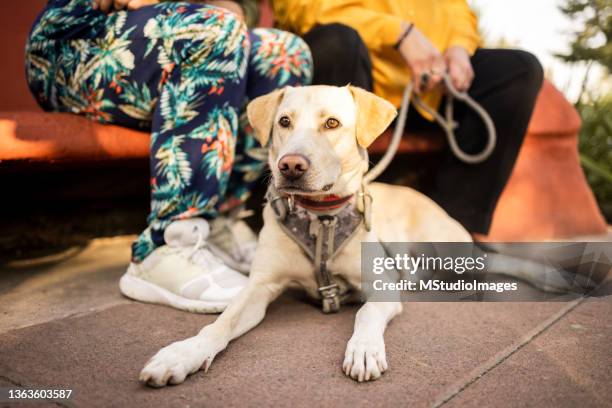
(594, 41)
(596, 150)
(593, 44)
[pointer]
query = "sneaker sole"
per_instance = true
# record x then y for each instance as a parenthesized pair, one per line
(143, 291)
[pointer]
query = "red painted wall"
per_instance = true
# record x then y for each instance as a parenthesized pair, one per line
(16, 20)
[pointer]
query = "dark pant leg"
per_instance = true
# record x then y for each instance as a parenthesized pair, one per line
(506, 84)
(339, 56)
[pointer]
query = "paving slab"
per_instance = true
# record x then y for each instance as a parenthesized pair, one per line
(569, 365)
(292, 359)
(79, 281)
(66, 325)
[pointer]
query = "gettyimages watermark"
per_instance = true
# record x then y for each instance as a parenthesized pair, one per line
(509, 271)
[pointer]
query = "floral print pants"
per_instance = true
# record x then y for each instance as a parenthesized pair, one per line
(182, 71)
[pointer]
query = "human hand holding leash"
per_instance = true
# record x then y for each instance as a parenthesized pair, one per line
(459, 67)
(425, 62)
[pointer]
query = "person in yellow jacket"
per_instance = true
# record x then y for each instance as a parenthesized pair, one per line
(382, 44)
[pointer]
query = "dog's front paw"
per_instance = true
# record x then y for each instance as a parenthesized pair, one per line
(173, 363)
(365, 358)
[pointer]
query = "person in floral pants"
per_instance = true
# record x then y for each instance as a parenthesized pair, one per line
(184, 72)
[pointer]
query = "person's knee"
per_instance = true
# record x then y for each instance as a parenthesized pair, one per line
(295, 50)
(533, 72)
(333, 39)
(334, 33)
(292, 45)
(299, 51)
(340, 56)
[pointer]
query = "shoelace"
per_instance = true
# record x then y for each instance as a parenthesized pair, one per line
(195, 255)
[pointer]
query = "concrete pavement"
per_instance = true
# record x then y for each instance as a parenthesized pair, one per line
(64, 324)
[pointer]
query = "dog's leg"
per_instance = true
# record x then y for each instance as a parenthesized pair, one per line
(173, 363)
(365, 357)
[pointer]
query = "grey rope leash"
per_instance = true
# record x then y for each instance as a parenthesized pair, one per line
(447, 123)
(398, 131)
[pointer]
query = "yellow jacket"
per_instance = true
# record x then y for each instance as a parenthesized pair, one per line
(445, 22)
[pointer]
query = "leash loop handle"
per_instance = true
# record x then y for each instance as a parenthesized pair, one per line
(447, 123)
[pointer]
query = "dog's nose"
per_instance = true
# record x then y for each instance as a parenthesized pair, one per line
(293, 166)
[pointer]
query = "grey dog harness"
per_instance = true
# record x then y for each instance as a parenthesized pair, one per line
(320, 236)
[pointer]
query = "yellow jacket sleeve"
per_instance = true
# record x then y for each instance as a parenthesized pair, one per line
(464, 30)
(378, 30)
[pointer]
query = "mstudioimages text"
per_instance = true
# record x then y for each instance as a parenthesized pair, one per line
(411, 264)
(444, 286)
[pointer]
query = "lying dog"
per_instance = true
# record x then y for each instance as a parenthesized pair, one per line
(318, 159)
(319, 136)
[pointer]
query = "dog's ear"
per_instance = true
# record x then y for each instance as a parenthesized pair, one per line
(261, 111)
(374, 115)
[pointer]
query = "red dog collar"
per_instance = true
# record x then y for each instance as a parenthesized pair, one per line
(327, 203)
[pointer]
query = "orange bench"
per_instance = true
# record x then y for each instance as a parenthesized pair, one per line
(547, 196)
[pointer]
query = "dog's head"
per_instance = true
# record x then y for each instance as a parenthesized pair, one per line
(319, 136)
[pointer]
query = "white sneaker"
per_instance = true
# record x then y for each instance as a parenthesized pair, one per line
(184, 274)
(233, 241)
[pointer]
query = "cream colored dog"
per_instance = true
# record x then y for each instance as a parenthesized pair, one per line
(319, 135)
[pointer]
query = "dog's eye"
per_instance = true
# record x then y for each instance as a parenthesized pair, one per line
(284, 121)
(332, 123)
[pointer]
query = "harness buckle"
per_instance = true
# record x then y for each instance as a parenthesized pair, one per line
(330, 298)
(278, 206)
